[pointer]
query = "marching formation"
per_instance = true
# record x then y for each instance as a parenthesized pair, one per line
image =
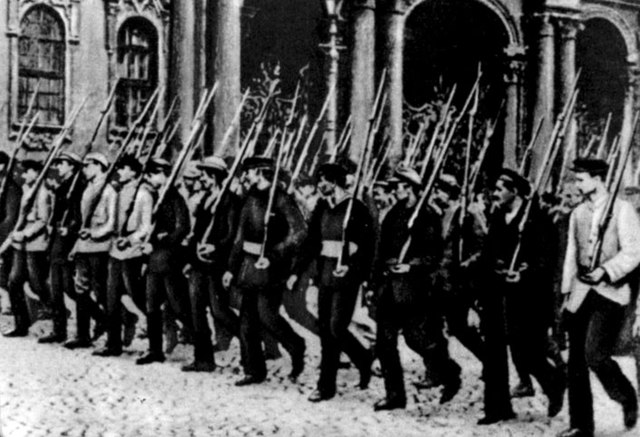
(135, 240)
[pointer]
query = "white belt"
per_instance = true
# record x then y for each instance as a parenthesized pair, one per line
(333, 249)
(252, 248)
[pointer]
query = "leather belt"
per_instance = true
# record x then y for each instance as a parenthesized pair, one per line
(252, 248)
(333, 249)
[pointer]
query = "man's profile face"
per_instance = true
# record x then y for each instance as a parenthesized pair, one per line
(585, 183)
(502, 195)
(325, 187)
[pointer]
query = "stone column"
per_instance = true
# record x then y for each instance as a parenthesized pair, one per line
(394, 22)
(626, 131)
(513, 85)
(182, 65)
(568, 28)
(333, 75)
(227, 71)
(362, 73)
(544, 89)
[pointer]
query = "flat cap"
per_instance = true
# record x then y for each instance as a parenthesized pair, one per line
(96, 157)
(257, 162)
(130, 161)
(591, 166)
(191, 170)
(333, 172)
(158, 165)
(516, 179)
(70, 157)
(406, 174)
(449, 183)
(213, 163)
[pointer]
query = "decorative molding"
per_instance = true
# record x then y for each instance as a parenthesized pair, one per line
(591, 11)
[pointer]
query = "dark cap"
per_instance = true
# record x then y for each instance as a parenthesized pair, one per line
(257, 162)
(31, 164)
(159, 165)
(406, 174)
(69, 157)
(595, 167)
(519, 182)
(449, 184)
(4, 158)
(130, 161)
(333, 172)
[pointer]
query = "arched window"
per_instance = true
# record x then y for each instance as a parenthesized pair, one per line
(41, 50)
(137, 68)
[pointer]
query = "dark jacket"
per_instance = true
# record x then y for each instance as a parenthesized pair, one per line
(62, 245)
(10, 204)
(171, 227)
(223, 231)
(286, 233)
(326, 224)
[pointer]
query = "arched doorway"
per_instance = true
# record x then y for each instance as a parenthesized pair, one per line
(601, 57)
(445, 42)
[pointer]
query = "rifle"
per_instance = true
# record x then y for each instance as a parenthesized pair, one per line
(342, 269)
(440, 160)
(21, 136)
(603, 138)
(613, 189)
(589, 148)
(467, 168)
(234, 121)
(86, 223)
(436, 132)
(104, 112)
(192, 142)
(485, 147)
(258, 124)
(307, 144)
(534, 139)
(346, 133)
(556, 139)
(27, 205)
(267, 214)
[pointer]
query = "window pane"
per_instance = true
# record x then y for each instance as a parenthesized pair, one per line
(41, 51)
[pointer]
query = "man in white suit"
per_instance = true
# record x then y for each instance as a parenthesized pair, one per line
(595, 299)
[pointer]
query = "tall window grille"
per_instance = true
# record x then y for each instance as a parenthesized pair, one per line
(137, 68)
(41, 52)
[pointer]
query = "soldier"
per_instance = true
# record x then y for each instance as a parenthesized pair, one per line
(124, 277)
(9, 208)
(29, 262)
(595, 300)
(164, 281)
(91, 252)
(65, 222)
(338, 281)
(261, 272)
(207, 263)
(405, 299)
(523, 296)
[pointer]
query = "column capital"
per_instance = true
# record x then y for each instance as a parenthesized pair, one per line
(364, 4)
(544, 22)
(513, 70)
(568, 26)
(633, 75)
(398, 7)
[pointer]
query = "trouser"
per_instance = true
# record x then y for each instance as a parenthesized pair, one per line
(164, 287)
(295, 304)
(61, 281)
(593, 333)
(335, 311)
(527, 327)
(261, 309)
(456, 309)
(402, 306)
(205, 290)
(124, 277)
(5, 268)
(27, 267)
(90, 277)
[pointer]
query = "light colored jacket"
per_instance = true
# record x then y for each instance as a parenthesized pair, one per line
(620, 253)
(35, 232)
(103, 221)
(139, 222)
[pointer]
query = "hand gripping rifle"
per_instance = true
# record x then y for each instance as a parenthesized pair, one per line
(342, 269)
(557, 137)
(613, 189)
(29, 202)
